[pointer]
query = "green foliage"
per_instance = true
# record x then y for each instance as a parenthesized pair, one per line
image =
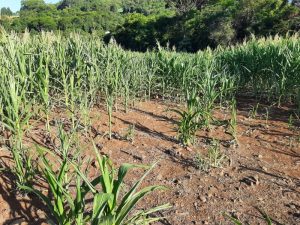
(140, 32)
(145, 7)
(6, 11)
(107, 206)
(264, 17)
(188, 25)
(187, 126)
(236, 221)
(214, 159)
(76, 72)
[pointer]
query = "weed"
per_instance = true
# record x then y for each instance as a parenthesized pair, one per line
(130, 133)
(214, 158)
(253, 112)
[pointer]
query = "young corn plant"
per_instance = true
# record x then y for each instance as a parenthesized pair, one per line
(190, 120)
(109, 207)
(187, 126)
(70, 188)
(208, 88)
(63, 207)
(15, 118)
(43, 86)
(85, 107)
(111, 82)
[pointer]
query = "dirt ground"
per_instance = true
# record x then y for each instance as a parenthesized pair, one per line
(261, 171)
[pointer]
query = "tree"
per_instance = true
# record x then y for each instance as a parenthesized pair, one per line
(264, 17)
(212, 26)
(145, 7)
(296, 3)
(69, 3)
(184, 6)
(6, 11)
(33, 5)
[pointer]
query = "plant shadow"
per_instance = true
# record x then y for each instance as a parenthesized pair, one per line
(22, 208)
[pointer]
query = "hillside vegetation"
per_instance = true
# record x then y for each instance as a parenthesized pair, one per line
(188, 25)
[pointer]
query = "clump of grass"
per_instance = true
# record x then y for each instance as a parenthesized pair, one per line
(253, 112)
(15, 116)
(130, 133)
(214, 159)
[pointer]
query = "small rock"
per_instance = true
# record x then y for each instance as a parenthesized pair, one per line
(260, 199)
(189, 149)
(99, 146)
(159, 177)
(258, 156)
(196, 205)
(188, 176)
(221, 173)
(203, 199)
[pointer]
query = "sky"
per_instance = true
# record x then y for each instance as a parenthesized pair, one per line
(15, 5)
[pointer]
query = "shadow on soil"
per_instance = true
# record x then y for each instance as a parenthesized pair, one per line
(158, 117)
(288, 188)
(27, 210)
(153, 133)
(275, 113)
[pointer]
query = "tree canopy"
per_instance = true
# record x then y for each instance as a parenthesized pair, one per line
(189, 25)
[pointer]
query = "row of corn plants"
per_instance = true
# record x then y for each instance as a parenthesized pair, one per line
(45, 71)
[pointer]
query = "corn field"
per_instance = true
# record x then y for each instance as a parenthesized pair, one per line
(45, 72)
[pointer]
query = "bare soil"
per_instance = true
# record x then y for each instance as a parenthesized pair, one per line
(261, 171)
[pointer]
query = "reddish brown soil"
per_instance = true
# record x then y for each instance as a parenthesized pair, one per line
(267, 152)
